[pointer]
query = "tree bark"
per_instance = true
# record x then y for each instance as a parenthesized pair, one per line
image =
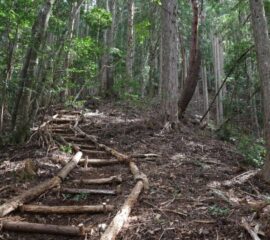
(107, 80)
(194, 64)
(130, 39)
(205, 91)
(262, 45)
(21, 111)
(169, 59)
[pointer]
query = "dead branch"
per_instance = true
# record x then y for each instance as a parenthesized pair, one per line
(240, 179)
(122, 215)
(66, 209)
(253, 234)
(42, 228)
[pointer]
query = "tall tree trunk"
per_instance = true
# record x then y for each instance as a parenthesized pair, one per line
(205, 91)
(71, 30)
(183, 61)
(21, 114)
(194, 64)
(169, 60)
(12, 46)
(262, 45)
(219, 73)
(107, 80)
(130, 39)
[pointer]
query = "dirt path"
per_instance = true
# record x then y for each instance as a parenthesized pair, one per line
(189, 197)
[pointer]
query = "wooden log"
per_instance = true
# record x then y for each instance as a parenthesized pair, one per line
(42, 228)
(122, 215)
(146, 155)
(63, 120)
(36, 191)
(89, 147)
(139, 175)
(57, 126)
(66, 209)
(71, 164)
(100, 162)
(44, 124)
(89, 191)
(95, 153)
(75, 139)
(98, 181)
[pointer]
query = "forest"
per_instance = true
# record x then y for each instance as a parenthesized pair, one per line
(132, 119)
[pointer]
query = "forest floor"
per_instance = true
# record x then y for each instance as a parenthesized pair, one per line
(189, 195)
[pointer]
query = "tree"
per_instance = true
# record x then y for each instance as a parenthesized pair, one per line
(262, 45)
(130, 39)
(194, 64)
(21, 111)
(169, 60)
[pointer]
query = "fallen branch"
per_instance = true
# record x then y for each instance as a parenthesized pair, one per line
(112, 179)
(36, 191)
(66, 209)
(122, 215)
(42, 228)
(253, 234)
(240, 179)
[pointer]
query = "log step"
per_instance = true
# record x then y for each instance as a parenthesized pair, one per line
(87, 147)
(42, 228)
(75, 139)
(99, 162)
(90, 191)
(103, 208)
(95, 153)
(98, 181)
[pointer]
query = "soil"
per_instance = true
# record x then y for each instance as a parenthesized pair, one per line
(186, 199)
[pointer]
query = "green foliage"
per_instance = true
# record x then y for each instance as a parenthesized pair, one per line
(98, 19)
(142, 30)
(218, 211)
(252, 149)
(66, 148)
